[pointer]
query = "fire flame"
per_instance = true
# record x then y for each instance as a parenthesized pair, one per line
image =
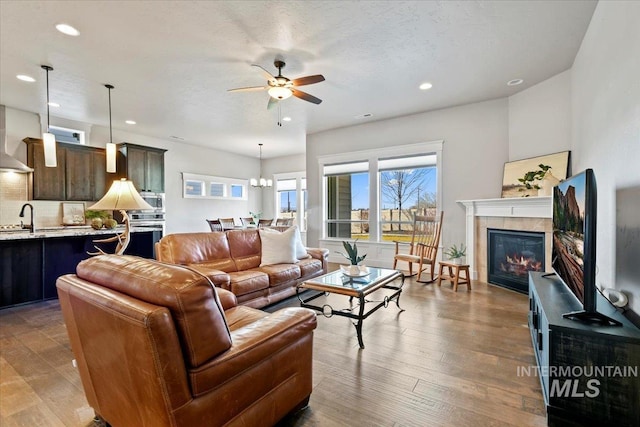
(520, 265)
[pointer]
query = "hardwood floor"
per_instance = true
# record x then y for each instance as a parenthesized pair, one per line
(450, 359)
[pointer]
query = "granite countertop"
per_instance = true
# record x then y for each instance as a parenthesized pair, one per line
(67, 231)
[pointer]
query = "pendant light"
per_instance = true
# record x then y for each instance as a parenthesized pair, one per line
(260, 182)
(49, 139)
(111, 147)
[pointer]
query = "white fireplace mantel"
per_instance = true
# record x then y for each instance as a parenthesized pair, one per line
(521, 207)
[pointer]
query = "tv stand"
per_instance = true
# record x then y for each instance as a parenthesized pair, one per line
(592, 318)
(569, 355)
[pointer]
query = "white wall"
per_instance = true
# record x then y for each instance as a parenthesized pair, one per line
(183, 215)
(605, 101)
(286, 164)
(475, 149)
(540, 118)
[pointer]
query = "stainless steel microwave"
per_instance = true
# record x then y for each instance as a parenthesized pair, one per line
(156, 200)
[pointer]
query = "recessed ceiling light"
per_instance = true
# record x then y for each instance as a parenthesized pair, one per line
(425, 86)
(25, 78)
(286, 119)
(67, 29)
(364, 116)
(53, 104)
(130, 122)
(515, 82)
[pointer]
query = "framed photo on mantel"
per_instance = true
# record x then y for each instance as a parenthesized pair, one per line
(530, 171)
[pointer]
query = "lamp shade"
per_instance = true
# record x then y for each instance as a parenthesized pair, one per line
(49, 141)
(111, 157)
(121, 196)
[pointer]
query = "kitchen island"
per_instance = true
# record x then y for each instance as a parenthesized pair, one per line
(30, 263)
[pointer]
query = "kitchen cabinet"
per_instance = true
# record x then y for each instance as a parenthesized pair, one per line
(46, 183)
(80, 175)
(20, 272)
(30, 266)
(144, 166)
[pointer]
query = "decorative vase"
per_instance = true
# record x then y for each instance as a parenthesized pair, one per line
(458, 261)
(354, 270)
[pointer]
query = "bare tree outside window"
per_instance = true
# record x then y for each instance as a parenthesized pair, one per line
(403, 186)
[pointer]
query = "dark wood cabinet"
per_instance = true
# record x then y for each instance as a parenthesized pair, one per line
(20, 271)
(100, 178)
(47, 183)
(79, 176)
(78, 173)
(29, 268)
(144, 166)
(583, 368)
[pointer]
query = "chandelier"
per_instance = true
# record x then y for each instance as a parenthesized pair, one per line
(261, 182)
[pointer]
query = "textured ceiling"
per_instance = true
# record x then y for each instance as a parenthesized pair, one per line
(171, 62)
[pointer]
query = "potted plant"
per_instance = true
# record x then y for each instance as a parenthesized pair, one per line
(456, 254)
(351, 253)
(532, 179)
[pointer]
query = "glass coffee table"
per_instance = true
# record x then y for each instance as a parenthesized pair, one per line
(358, 287)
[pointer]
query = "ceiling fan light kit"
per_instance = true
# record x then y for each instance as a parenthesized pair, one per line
(280, 87)
(280, 93)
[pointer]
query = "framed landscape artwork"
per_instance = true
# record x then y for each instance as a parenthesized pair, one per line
(557, 163)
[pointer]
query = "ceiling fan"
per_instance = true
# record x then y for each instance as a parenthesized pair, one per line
(280, 87)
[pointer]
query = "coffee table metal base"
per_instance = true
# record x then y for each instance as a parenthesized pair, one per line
(360, 313)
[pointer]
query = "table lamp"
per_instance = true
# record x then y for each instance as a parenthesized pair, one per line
(121, 196)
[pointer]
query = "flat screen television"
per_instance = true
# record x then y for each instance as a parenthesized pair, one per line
(574, 243)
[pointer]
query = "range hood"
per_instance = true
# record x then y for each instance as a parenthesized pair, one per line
(8, 163)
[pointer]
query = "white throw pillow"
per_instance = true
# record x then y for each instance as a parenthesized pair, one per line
(278, 248)
(301, 251)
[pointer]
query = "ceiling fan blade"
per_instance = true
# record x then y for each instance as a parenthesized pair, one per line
(267, 74)
(309, 80)
(303, 95)
(272, 102)
(248, 89)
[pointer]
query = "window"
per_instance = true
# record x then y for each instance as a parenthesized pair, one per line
(73, 136)
(216, 189)
(407, 188)
(291, 198)
(375, 194)
(193, 188)
(213, 187)
(347, 195)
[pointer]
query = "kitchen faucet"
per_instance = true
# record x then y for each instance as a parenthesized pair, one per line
(30, 227)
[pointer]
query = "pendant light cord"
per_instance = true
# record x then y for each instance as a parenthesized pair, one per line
(47, 68)
(47, 100)
(110, 129)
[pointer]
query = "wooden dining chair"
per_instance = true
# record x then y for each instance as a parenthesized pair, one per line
(265, 222)
(423, 248)
(284, 221)
(247, 222)
(215, 225)
(227, 223)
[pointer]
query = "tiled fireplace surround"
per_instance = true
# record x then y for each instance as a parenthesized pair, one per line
(521, 214)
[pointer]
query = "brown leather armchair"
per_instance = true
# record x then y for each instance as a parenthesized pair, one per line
(157, 345)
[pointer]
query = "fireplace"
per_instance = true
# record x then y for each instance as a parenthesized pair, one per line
(511, 255)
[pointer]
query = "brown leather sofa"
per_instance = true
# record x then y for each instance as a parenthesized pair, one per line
(157, 345)
(231, 259)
